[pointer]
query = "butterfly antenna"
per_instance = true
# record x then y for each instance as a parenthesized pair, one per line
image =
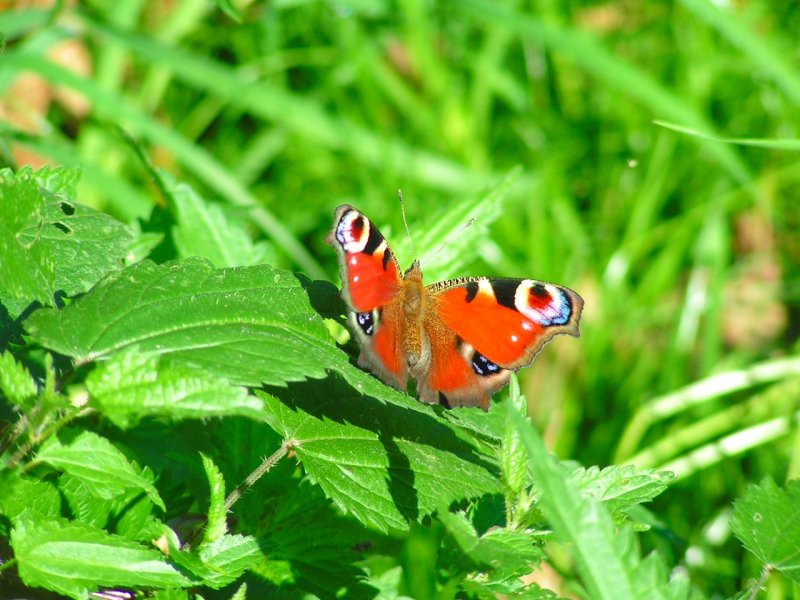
(447, 242)
(405, 222)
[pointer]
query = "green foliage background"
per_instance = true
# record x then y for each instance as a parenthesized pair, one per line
(232, 130)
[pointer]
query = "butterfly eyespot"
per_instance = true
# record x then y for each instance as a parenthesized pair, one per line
(539, 291)
(367, 321)
(483, 366)
(352, 232)
(544, 304)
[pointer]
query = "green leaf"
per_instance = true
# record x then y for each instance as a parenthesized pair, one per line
(513, 459)
(241, 593)
(767, 522)
(74, 559)
(203, 229)
(16, 382)
(219, 563)
(606, 559)
(309, 546)
(503, 553)
(27, 267)
(49, 242)
(386, 464)
(620, 488)
(84, 244)
(31, 498)
(84, 506)
(132, 385)
(94, 461)
(216, 527)
(252, 325)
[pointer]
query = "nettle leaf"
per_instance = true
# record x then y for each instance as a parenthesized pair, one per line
(505, 554)
(16, 382)
(84, 506)
(217, 564)
(767, 522)
(49, 242)
(251, 325)
(84, 243)
(27, 267)
(309, 546)
(620, 488)
(216, 525)
(203, 229)
(386, 464)
(606, 557)
(74, 559)
(32, 498)
(132, 385)
(94, 461)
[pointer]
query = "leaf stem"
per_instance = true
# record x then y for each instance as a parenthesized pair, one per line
(258, 473)
(765, 573)
(37, 439)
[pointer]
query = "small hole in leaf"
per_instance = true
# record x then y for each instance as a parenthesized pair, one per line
(61, 227)
(67, 208)
(757, 517)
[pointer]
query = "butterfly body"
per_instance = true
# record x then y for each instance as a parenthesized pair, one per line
(459, 339)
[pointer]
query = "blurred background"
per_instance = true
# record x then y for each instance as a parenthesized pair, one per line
(562, 126)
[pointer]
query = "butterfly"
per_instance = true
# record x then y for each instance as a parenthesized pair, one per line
(459, 339)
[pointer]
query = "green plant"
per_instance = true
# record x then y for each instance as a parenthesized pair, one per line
(684, 247)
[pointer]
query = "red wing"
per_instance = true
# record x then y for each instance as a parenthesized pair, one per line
(457, 374)
(507, 321)
(370, 275)
(372, 287)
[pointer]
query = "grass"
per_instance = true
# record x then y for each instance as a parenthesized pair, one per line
(684, 246)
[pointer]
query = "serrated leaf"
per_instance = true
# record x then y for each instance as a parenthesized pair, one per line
(606, 558)
(49, 242)
(28, 270)
(21, 496)
(94, 461)
(503, 553)
(620, 488)
(84, 506)
(386, 464)
(74, 559)
(203, 229)
(767, 522)
(216, 525)
(251, 325)
(217, 564)
(308, 545)
(241, 593)
(513, 459)
(16, 382)
(133, 384)
(228, 558)
(84, 243)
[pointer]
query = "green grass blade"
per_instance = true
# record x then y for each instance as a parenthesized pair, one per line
(757, 49)
(609, 70)
(761, 143)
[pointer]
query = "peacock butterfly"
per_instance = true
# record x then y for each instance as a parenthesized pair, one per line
(460, 339)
